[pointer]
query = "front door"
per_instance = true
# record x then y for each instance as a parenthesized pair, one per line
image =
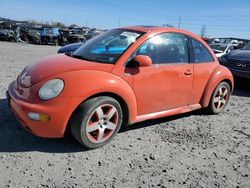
(167, 84)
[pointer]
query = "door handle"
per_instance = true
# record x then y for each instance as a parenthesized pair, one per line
(188, 72)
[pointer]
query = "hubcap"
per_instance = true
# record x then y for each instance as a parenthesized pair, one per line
(102, 123)
(221, 98)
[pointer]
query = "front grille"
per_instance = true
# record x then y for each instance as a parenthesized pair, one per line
(238, 65)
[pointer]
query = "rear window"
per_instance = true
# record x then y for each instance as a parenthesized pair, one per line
(200, 53)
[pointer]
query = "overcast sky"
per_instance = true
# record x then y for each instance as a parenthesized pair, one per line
(222, 18)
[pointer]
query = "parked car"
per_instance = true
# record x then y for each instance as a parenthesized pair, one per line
(238, 62)
(76, 34)
(49, 35)
(30, 35)
(147, 73)
(222, 49)
(7, 35)
(70, 47)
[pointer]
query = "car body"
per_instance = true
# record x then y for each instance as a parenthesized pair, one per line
(125, 75)
(238, 62)
(70, 47)
(222, 49)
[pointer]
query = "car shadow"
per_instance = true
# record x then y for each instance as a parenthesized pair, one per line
(14, 138)
(153, 122)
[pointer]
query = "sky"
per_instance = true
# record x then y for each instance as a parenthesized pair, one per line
(225, 18)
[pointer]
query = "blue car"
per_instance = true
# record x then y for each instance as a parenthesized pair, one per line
(50, 35)
(70, 47)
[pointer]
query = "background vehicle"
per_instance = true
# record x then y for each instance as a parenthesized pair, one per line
(238, 62)
(76, 34)
(123, 76)
(70, 47)
(30, 34)
(52, 35)
(222, 49)
(7, 35)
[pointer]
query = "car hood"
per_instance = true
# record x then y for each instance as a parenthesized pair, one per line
(53, 65)
(239, 55)
(70, 47)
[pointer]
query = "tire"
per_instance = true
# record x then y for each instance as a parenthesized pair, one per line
(56, 42)
(96, 121)
(220, 98)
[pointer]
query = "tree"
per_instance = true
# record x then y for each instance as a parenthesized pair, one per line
(73, 25)
(203, 30)
(58, 24)
(167, 25)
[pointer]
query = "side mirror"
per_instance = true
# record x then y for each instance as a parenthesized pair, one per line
(143, 60)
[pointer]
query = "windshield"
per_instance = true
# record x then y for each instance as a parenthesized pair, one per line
(107, 47)
(218, 47)
(247, 47)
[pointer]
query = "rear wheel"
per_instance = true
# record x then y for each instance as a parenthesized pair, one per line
(96, 121)
(220, 98)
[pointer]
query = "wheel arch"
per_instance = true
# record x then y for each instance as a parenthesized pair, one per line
(220, 74)
(122, 102)
(98, 83)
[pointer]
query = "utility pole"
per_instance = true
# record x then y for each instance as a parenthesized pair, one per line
(119, 22)
(87, 22)
(179, 23)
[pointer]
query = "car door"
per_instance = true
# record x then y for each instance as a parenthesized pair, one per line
(167, 83)
(204, 65)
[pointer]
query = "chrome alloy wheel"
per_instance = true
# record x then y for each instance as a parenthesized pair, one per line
(102, 123)
(221, 98)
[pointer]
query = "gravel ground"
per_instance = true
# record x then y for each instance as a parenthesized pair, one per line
(190, 150)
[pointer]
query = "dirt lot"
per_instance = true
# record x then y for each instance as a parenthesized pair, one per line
(190, 150)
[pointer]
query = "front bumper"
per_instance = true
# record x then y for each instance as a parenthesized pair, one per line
(58, 109)
(240, 73)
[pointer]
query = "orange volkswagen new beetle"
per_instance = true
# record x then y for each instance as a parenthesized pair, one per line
(125, 75)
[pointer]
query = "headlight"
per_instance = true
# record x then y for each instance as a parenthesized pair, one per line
(51, 89)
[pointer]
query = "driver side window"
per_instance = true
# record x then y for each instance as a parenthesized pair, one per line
(165, 48)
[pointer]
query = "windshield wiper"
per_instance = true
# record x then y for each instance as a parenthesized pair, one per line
(81, 57)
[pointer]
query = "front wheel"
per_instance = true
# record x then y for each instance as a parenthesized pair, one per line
(220, 98)
(96, 121)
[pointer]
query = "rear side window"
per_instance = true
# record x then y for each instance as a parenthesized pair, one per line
(200, 53)
(165, 48)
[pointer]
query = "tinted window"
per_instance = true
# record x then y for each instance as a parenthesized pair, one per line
(200, 53)
(247, 47)
(165, 48)
(230, 48)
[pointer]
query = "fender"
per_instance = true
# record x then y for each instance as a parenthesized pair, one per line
(94, 82)
(219, 74)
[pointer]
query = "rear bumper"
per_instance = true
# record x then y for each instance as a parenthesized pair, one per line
(59, 112)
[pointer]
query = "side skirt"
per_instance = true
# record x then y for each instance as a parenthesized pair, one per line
(168, 112)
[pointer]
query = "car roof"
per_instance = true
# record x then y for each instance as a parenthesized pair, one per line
(222, 44)
(147, 29)
(159, 29)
